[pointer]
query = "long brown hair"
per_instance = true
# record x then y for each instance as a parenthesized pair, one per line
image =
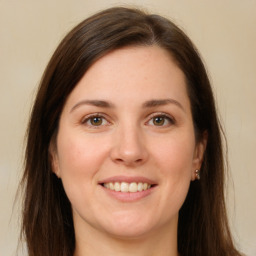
(47, 223)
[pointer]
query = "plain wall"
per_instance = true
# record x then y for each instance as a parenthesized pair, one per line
(225, 33)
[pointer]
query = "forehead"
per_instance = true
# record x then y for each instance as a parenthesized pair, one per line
(140, 73)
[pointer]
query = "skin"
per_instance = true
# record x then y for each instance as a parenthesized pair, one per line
(127, 140)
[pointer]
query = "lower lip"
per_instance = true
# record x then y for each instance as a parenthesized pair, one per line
(128, 196)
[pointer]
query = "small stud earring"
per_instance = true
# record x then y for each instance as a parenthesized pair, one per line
(197, 174)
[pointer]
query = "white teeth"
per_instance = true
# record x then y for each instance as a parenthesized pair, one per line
(117, 186)
(124, 187)
(140, 186)
(127, 187)
(111, 186)
(133, 187)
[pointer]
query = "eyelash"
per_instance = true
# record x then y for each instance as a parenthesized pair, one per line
(165, 116)
(90, 119)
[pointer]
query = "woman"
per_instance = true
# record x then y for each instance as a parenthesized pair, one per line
(124, 152)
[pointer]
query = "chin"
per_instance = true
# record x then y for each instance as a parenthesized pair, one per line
(129, 233)
(129, 227)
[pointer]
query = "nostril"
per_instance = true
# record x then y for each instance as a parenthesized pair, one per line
(129, 161)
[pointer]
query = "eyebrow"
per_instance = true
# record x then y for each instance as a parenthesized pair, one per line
(96, 103)
(147, 104)
(162, 102)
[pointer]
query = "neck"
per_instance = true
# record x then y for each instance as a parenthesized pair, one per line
(94, 242)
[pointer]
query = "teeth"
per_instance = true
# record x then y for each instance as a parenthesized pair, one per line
(127, 187)
(106, 185)
(111, 186)
(117, 186)
(133, 187)
(140, 186)
(124, 187)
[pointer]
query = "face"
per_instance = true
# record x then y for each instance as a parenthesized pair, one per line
(127, 125)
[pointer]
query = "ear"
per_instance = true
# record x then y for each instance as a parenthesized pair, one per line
(53, 157)
(199, 154)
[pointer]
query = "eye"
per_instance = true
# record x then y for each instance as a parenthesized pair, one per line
(161, 120)
(95, 121)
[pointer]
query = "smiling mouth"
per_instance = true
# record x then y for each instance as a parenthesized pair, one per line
(126, 187)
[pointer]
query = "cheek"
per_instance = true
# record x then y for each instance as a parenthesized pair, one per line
(79, 155)
(72, 156)
(175, 163)
(79, 163)
(175, 154)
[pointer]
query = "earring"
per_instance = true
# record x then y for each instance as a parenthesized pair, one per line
(197, 174)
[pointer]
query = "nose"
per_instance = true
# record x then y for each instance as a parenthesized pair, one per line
(129, 147)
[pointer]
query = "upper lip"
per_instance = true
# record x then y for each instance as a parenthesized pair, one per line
(128, 179)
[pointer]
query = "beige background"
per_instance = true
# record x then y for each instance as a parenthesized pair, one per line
(225, 33)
